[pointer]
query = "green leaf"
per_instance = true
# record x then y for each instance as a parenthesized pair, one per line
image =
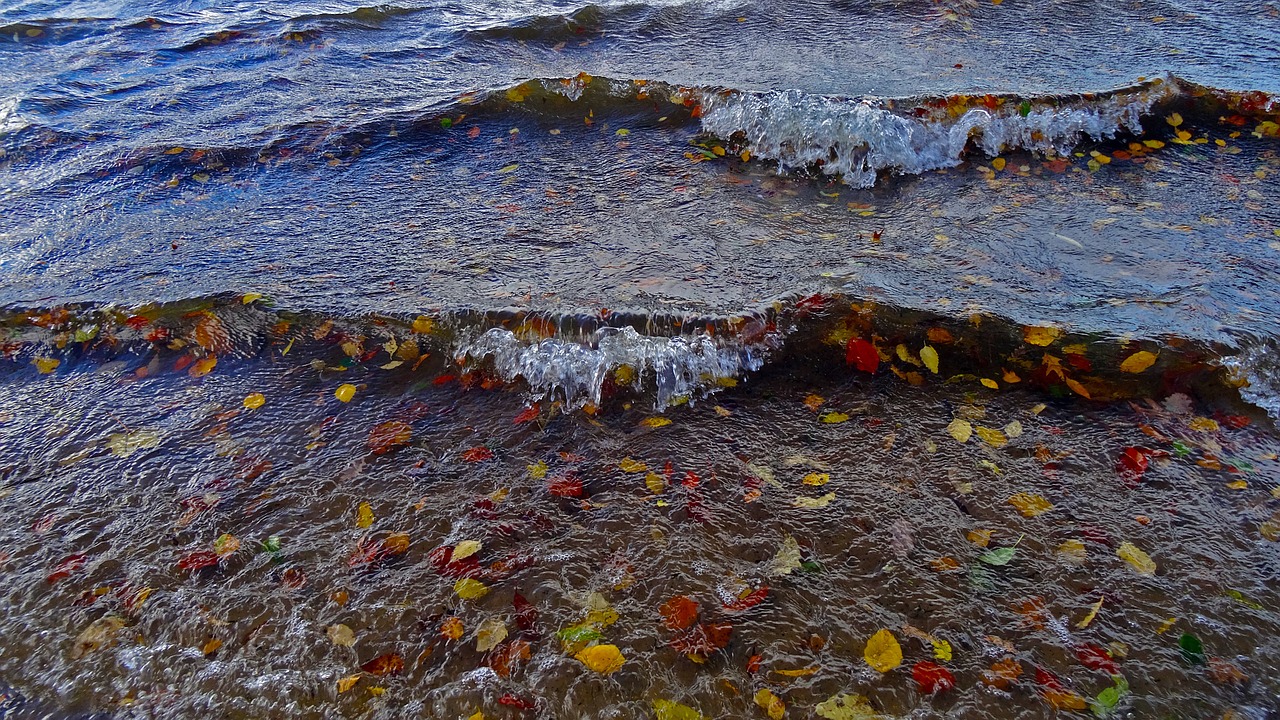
(446, 123)
(999, 556)
(271, 545)
(668, 710)
(1243, 599)
(1025, 108)
(811, 566)
(1192, 649)
(579, 635)
(1109, 698)
(1180, 450)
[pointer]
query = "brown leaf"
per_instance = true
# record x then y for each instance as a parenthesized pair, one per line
(389, 664)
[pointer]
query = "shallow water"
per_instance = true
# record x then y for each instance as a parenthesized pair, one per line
(947, 319)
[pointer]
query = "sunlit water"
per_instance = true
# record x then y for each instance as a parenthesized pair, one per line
(954, 320)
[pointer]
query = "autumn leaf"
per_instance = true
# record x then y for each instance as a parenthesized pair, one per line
(226, 544)
(451, 628)
(771, 704)
(470, 589)
(929, 357)
(862, 355)
(341, 635)
(255, 401)
(125, 444)
(632, 466)
(345, 392)
(1041, 336)
(668, 710)
(203, 366)
(843, 706)
(46, 365)
(527, 415)
(994, 438)
(961, 430)
(346, 683)
(389, 664)
(787, 559)
(490, 633)
(813, 402)
(604, 659)
(812, 503)
(465, 549)
(364, 515)
(832, 417)
(931, 677)
(1030, 505)
(655, 422)
(387, 436)
(816, 479)
(883, 653)
(1137, 559)
(679, 613)
(479, 453)
(98, 634)
(1002, 673)
(1138, 362)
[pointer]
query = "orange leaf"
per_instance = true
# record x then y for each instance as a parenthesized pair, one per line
(389, 664)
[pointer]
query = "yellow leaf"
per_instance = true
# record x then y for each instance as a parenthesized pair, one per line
(846, 707)
(377, 690)
(255, 401)
(655, 422)
(604, 659)
(340, 635)
(509, 169)
(1077, 388)
(930, 358)
(624, 375)
(203, 366)
(1013, 429)
(981, 538)
(655, 483)
(1073, 551)
(883, 653)
(1138, 362)
(816, 479)
(1010, 377)
(1093, 613)
(941, 649)
(771, 704)
(538, 470)
(813, 503)
(989, 383)
(489, 634)
(832, 417)
(1137, 559)
(465, 549)
(632, 466)
(469, 589)
(1042, 336)
(800, 672)
(346, 683)
(1153, 144)
(998, 163)
(345, 392)
(1203, 424)
(211, 647)
(477, 715)
(1030, 505)
(364, 515)
(423, 324)
(722, 411)
(668, 710)
(46, 365)
(1165, 625)
(1237, 485)
(250, 297)
(994, 438)
(961, 430)
(813, 402)
(1174, 119)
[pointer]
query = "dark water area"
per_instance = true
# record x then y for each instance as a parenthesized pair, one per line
(899, 359)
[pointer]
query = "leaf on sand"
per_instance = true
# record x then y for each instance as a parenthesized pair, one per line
(465, 549)
(961, 430)
(843, 706)
(812, 503)
(604, 659)
(470, 589)
(1138, 362)
(883, 653)
(771, 704)
(489, 634)
(1137, 559)
(340, 634)
(787, 559)
(668, 710)
(364, 515)
(930, 358)
(1030, 505)
(994, 438)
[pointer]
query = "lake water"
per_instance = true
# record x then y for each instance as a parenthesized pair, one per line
(663, 359)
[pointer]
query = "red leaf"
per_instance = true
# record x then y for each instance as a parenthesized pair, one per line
(862, 355)
(64, 569)
(516, 702)
(478, 453)
(567, 485)
(753, 663)
(1046, 680)
(526, 615)
(703, 639)
(529, 413)
(442, 560)
(748, 601)
(932, 677)
(1095, 658)
(198, 560)
(388, 436)
(389, 664)
(679, 613)
(691, 480)
(1132, 464)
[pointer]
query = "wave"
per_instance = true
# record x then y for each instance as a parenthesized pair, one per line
(594, 359)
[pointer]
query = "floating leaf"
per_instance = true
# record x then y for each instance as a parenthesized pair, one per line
(1138, 362)
(930, 358)
(203, 366)
(387, 436)
(961, 430)
(465, 549)
(604, 659)
(577, 637)
(832, 417)
(340, 634)
(668, 710)
(509, 168)
(538, 470)
(992, 437)
(479, 453)
(364, 515)
(771, 704)
(883, 653)
(389, 664)
(489, 634)
(812, 502)
(843, 706)
(816, 479)
(1137, 559)
(255, 401)
(470, 589)
(345, 392)
(941, 649)
(46, 365)
(1030, 505)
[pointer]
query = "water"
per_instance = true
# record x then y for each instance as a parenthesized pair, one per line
(949, 319)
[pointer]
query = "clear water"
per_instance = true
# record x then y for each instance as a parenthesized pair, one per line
(527, 235)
